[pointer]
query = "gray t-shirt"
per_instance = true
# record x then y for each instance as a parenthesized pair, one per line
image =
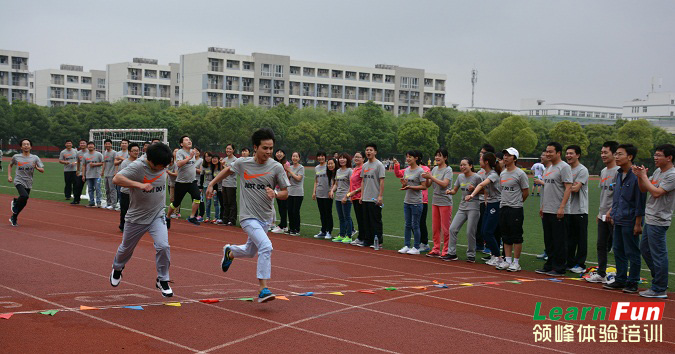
(439, 197)
(255, 177)
(513, 183)
(25, 169)
(371, 172)
(342, 180)
(413, 178)
(230, 181)
(70, 157)
(607, 177)
(659, 211)
(145, 207)
(463, 182)
(579, 201)
(187, 172)
(199, 165)
(555, 177)
(322, 186)
(80, 159)
(296, 188)
(209, 174)
(122, 166)
(494, 188)
(122, 154)
(481, 174)
(171, 179)
(109, 159)
(89, 158)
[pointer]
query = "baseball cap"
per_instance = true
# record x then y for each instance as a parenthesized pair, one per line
(511, 151)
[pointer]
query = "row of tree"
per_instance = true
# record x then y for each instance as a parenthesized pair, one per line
(308, 130)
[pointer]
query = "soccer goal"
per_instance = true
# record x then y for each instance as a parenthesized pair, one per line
(139, 136)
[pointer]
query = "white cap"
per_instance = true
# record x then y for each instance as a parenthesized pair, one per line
(511, 151)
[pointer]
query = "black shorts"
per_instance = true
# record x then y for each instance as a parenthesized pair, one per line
(511, 224)
(181, 189)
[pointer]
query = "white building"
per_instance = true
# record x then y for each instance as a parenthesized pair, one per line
(68, 85)
(581, 113)
(221, 78)
(658, 108)
(14, 75)
(142, 79)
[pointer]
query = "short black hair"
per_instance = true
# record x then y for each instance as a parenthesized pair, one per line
(81, 140)
(159, 154)
(320, 153)
(146, 143)
(666, 149)
(245, 149)
(132, 145)
(372, 145)
(26, 139)
(91, 143)
(630, 150)
(576, 148)
(556, 145)
(469, 161)
(107, 141)
(262, 134)
(125, 139)
(232, 145)
(488, 148)
(156, 139)
(443, 152)
(612, 145)
(68, 141)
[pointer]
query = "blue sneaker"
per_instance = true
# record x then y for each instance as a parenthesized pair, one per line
(227, 258)
(487, 251)
(265, 295)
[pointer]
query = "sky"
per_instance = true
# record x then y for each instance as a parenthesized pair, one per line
(574, 51)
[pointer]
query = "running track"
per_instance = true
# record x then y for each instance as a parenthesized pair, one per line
(60, 256)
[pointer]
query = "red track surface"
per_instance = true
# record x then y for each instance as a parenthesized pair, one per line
(60, 258)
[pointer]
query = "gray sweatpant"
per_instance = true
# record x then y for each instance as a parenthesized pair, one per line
(257, 243)
(462, 216)
(110, 192)
(133, 234)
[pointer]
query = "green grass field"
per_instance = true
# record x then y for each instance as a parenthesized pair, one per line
(50, 186)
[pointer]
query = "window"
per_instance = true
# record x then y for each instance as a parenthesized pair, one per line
(57, 79)
(404, 82)
(364, 76)
(86, 80)
(248, 65)
(295, 70)
(389, 79)
(215, 64)
(414, 82)
(233, 64)
(278, 70)
(428, 82)
(350, 75)
(336, 74)
(165, 74)
(377, 77)
(266, 70)
(308, 71)
(73, 79)
(644, 109)
(4, 59)
(323, 72)
(409, 82)
(566, 113)
(177, 90)
(151, 74)
(101, 83)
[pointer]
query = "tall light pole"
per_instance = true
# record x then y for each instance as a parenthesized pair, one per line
(474, 79)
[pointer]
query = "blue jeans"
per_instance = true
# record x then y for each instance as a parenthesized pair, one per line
(655, 253)
(216, 204)
(626, 251)
(344, 212)
(94, 185)
(412, 214)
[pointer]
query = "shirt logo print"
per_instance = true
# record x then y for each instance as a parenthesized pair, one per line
(367, 170)
(146, 180)
(248, 176)
(506, 180)
(22, 163)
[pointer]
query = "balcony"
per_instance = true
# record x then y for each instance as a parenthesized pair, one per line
(265, 90)
(363, 96)
(232, 103)
(215, 102)
(279, 91)
(324, 93)
(336, 94)
(350, 95)
(20, 66)
(247, 88)
(215, 86)
(308, 93)
(232, 87)
(134, 77)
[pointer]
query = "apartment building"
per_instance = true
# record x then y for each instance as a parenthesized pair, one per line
(582, 113)
(142, 80)
(69, 84)
(658, 108)
(14, 75)
(221, 78)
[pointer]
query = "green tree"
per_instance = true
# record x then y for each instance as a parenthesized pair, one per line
(570, 133)
(542, 127)
(597, 135)
(443, 117)
(638, 133)
(333, 135)
(465, 137)
(28, 120)
(516, 132)
(418, 134)
(660, 136)
(303, 138)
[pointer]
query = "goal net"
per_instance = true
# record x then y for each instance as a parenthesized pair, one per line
(139, 136)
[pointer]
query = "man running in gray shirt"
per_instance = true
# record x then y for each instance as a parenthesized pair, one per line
(146, 181)
(185, 181)
(26, 164)
(260, 174)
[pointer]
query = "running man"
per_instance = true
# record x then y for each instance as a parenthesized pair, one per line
(26, 164)
(185, 182)
(538, 171)
(68, 158)
(260, 174)
(146, 182)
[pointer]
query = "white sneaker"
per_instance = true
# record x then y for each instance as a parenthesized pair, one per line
(277, 230)
(413, 251)
(577, 269)
(358, 242)
(424, 247)
(320, 235)
(164, 288)
(503, 264)
(328, 236)
(174, 216)
(110, 207)
(597, 278)
(354, 233)
(404, 250)
(514, 267)
(494, 261)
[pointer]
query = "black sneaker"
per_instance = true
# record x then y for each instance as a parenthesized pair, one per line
(91, 205)
(449, 257)
(542, 271)
(631, 288)
(12, 220)
(554, 273)
(74, 203)
(227, 258)
(614, 286)
(168, 222)
(13, 206)
(193, 220)
(487, 258)
(67, 198)
(471, 259)
(115, 277)
(164, 288)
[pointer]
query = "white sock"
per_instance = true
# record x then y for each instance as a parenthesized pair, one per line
(515, 260)
(508, 259)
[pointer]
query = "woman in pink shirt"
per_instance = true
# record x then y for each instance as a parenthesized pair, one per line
(355, 194)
